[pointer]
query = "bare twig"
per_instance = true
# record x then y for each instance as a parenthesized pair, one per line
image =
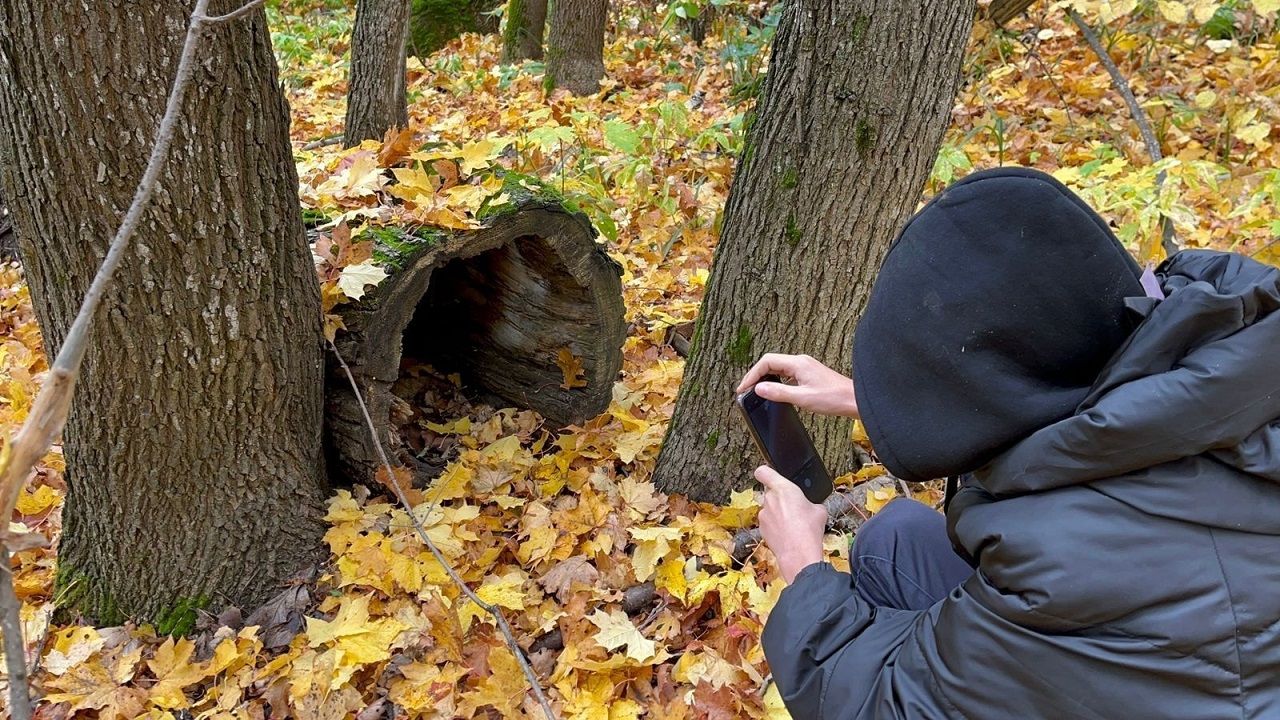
(492, 610)
(241, 12)
(49, 412)
(15, 648)
(1167, 238)
(322, 142)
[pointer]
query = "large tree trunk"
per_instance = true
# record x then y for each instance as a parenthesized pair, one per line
(526, 23)
(375, 92)
(193, 451)
(575, 45)
(856, 100)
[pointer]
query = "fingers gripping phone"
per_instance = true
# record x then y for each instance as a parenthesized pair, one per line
(785, 443)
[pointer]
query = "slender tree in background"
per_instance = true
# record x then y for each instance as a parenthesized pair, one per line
(575, 45)
(194, 465)
(526, 23)
(376, 92)
(855, 103)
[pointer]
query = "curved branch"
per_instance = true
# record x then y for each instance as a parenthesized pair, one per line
(1121, 85)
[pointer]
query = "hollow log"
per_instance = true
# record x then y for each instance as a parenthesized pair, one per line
(498, 305)
(1002, 11)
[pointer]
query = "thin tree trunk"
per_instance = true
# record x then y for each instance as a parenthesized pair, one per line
(193, 447)
(526, 23)
(575, 45)
(376, 93)
(857, 97)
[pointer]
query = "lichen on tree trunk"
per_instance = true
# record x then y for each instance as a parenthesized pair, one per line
(575, 45)
(526, 24)
(857, 97)
(193, 454)
(376, 89)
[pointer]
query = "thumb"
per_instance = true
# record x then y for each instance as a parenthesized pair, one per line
(777, 392)
(769, 477)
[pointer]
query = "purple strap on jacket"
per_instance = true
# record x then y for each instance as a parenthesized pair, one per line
(1151, 284)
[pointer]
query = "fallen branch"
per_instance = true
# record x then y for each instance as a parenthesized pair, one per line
(49, 412)
(323, 142)
(843, 513)
(1167, 238)
(15, 648)
(492, 610)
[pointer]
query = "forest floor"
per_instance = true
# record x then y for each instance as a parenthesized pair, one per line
(552, 525)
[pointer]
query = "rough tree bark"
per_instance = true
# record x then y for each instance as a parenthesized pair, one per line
(8, 239)
(193, 450)
(857, 97)
(575, 45)
(526, 24)
(375, 92)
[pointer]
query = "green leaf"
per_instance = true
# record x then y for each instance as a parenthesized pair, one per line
(551, 137)
(622, 136)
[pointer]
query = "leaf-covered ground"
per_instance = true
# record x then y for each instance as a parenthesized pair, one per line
(555, 525)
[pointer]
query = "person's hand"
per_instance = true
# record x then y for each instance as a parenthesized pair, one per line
(817, 387)
(790, 525)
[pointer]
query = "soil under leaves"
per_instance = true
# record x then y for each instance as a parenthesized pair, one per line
(556, 525)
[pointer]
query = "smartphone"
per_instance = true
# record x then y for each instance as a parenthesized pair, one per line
(785, 443)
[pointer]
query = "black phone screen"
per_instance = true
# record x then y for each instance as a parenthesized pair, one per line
(786, 444)
(782, 434)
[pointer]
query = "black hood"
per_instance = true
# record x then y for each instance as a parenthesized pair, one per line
(992, 315)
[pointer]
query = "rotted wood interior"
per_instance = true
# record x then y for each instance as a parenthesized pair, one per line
(500, 319)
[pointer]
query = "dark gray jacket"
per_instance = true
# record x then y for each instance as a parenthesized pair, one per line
(1128, 555)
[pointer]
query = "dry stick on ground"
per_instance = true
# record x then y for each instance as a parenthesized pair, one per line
(493, 611)
(322, 142)
(49, 412)
(1167, 238)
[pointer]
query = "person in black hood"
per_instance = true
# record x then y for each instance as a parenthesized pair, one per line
(1111, 549)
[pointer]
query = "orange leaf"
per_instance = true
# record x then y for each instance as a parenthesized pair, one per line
(571, 366)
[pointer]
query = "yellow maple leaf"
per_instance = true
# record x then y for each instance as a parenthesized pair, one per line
(506, 591)
(616, 630)
(774, 708)
(355, 639)
(877, 499)
(174, 671)
(670, 576)
(741, 510)
(479, 154)
(652, 546)
(34, 502)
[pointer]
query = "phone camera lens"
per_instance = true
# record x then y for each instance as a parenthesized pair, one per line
(808, 482)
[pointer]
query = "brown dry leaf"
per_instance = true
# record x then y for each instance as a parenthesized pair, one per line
(560, 579)
(571, 366)
(396, 146)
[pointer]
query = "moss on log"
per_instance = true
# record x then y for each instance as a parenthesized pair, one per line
(496, 305)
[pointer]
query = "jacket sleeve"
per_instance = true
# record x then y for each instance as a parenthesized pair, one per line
(822, 639)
